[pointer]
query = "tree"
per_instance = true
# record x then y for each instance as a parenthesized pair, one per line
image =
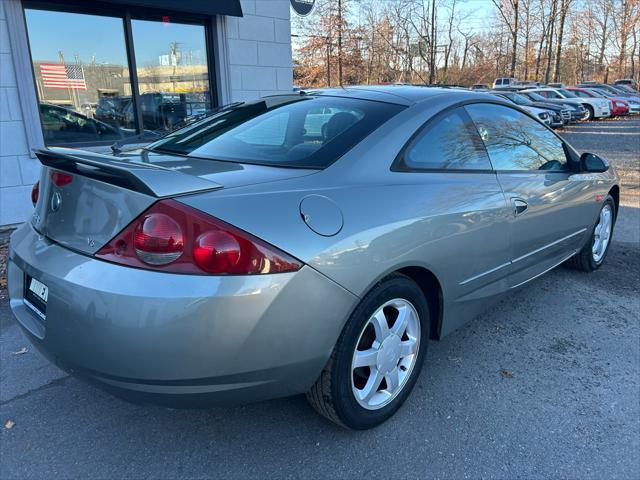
(564, 7)
(426, 41)
(508, 10)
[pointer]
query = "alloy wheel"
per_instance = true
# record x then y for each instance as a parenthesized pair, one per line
(386, 352)
(602, 233)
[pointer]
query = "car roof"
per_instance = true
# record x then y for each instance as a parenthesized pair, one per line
(398, 94)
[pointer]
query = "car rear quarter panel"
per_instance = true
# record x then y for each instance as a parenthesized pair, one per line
(158, 327)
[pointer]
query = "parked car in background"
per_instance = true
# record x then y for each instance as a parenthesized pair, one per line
(619, 106)
(504, 82)
(555, 85)
(479, 86)
(116, 111)
(614, 91)
(595, 107)
(610, 89)
(553, 112)
(63, 125)
(627, 89)
(161, 111)
(241, 258)
(627, 82)
(576, 111)
(529, 84)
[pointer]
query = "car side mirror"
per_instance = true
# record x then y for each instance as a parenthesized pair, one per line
(592, 163)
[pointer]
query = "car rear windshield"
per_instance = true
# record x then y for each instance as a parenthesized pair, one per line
(567, 93)
(518, 99)
(537, 97)
(303, 131)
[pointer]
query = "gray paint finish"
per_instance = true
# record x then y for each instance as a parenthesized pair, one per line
(460, 226)
(213, 329)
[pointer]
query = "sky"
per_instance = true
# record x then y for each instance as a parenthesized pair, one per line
(89, 35)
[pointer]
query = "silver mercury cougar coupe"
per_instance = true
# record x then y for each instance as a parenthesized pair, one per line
(312, 242)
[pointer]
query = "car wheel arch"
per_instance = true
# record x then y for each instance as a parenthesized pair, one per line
(432, 291)
(615, 193)
(430, 286)
(591, 110)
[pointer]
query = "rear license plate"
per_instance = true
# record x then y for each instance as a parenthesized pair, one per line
(36, 295)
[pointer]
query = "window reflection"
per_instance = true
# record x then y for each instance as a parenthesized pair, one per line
(451, 142)
(75, 72)
(516, 142)
(173, 75)
(305, 131)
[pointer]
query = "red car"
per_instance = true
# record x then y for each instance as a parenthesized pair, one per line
(618, 106)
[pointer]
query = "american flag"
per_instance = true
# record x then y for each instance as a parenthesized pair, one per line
(57, 75)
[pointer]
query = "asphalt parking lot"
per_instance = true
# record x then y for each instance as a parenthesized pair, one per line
(566, 405)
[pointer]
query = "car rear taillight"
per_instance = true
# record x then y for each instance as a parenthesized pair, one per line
(172, 237)
(60, 179)
(158, 239)
(217, 252)
(35, 193)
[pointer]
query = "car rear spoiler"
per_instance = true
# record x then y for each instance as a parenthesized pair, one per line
(148, 179)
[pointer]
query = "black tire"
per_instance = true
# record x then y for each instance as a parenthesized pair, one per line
(583, 260)
(331, 395)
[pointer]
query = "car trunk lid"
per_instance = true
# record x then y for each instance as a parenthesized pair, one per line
(87, 198)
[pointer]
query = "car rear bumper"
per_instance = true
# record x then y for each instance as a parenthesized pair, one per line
(177, 339)
(618, 111)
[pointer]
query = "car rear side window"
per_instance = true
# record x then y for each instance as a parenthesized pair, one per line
(515, 141)
(303, 131)
(449, 142)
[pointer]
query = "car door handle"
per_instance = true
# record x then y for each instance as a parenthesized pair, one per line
(519, 206)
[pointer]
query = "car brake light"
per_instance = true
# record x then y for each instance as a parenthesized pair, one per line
(158, 239)
(216, 252)
(60, 179)
(173, 237)
(35, 193)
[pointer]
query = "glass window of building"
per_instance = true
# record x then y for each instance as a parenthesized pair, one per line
(82, 78)
(172, 70)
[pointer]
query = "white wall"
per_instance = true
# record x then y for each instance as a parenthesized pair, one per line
(18, 172)
(259, 50)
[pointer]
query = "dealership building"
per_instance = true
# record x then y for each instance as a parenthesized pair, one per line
(87, 74)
